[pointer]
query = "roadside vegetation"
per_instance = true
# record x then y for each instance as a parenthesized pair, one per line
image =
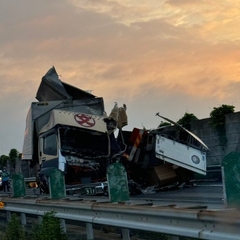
(48, 229)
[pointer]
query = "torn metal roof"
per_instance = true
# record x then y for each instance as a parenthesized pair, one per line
(52, 89)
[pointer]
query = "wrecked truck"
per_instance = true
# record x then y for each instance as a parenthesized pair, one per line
(68, 129)
(164, 157)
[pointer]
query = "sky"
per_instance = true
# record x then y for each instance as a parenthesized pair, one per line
(165, 56)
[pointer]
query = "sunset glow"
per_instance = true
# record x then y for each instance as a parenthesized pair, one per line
(165, 56)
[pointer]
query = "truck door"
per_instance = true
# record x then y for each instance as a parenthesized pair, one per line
(47, 147)
(180, 154)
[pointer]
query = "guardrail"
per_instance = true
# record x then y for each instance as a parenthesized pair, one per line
(195, 223)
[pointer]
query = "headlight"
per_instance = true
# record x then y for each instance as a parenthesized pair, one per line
(195, 159)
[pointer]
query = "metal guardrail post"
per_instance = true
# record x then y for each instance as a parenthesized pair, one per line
(125, 234)
(173, 237)
(63, 225)
(9, 216)
(23, 219)
(89, 229)
(224, 188)
(40, 218)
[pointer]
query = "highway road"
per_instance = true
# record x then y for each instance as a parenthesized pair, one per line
(201, 194)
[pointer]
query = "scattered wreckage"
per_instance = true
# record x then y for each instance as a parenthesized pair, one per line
(68, 129)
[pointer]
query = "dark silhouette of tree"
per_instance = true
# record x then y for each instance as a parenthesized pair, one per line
(186, 120)
(217, 115)
(3, 160)
(217, 122)
(13, 155)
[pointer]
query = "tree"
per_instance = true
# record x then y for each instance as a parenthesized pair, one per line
(186, 120)
(217, 115)
(13, 155)
(3, 160)
(217, 122)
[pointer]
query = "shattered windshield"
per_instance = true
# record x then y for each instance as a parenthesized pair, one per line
(84, 142)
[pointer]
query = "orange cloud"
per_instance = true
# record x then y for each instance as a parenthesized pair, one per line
(168, 56)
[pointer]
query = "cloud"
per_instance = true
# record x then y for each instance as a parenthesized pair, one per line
(169, 56)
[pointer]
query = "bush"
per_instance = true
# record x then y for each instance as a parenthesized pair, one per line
(14, 230)
(49, 229)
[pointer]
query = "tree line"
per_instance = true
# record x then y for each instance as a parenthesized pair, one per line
(11, 158)
(217, 118)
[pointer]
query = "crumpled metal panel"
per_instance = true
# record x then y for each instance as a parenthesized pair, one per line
(77, 93)
(52, 89)
(184, 129)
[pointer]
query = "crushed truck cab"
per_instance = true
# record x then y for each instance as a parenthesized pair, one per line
(72, 139)
(67, 129)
